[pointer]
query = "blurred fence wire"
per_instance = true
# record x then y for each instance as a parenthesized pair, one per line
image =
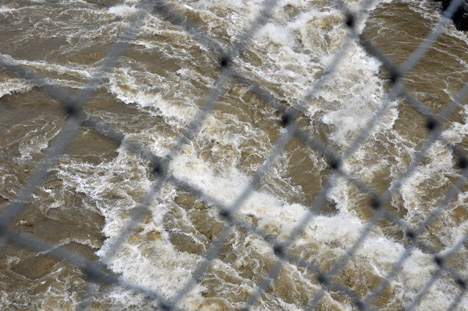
(73, 105)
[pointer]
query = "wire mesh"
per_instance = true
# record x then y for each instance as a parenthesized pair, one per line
(95, 271)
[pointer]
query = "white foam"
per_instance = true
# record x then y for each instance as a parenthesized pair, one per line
(43, 66)
(143, 89)
(276, 34)
(123, 10)
(11, 86)
(7, 9)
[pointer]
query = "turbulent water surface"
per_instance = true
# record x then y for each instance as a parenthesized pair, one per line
(153, 92)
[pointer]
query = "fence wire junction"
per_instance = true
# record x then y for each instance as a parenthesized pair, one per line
(95, 271)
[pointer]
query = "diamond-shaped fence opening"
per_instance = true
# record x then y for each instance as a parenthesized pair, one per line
(274, 155)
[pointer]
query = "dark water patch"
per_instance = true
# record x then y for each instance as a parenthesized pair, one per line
(29, 121)
(39, 31)
(90, 147)
(442, 71)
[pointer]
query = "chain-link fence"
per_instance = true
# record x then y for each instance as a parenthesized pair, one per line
(96, 272)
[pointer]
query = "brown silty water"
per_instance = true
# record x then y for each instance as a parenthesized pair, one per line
(238, 134)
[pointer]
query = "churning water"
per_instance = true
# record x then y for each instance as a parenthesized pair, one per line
(155, 90)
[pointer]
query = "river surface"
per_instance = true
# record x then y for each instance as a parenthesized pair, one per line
(152, 94)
